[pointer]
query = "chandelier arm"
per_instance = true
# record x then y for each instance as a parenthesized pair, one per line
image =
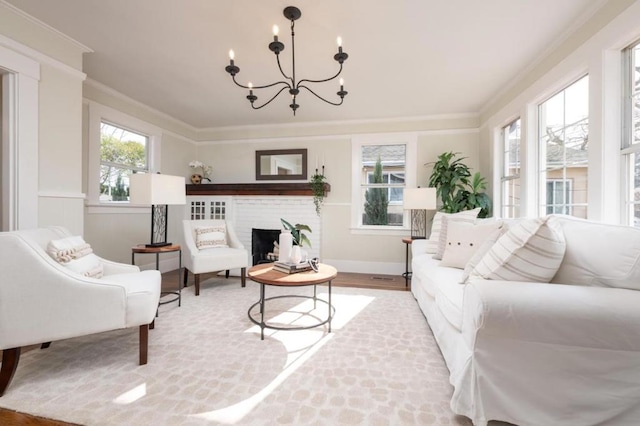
(281, 70)
(320, 81)
(286, 83)
(320, 97)
(269, 101)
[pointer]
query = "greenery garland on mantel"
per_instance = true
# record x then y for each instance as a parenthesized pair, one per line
(317, 183)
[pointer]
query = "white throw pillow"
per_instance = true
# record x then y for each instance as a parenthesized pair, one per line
(436, 242)
(76, 255)
(211, 237)
(530, 251)
(464, 239)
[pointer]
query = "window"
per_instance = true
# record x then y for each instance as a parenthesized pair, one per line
(119, 145)
(381, 171)
(558, 196)
(122, 152)
(563, 138)
(631, 134)
(511, 170)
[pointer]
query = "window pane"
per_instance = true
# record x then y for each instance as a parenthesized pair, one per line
(114, 183)
(635, 93)
(511, 169)
(383, 182)
(122, 147)
(564, 139)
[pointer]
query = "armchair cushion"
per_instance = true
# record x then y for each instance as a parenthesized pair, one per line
(74, 253)
(211, 237)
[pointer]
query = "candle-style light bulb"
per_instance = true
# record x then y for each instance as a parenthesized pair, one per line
(276, 30)
(339, 44)
(232, 55)
(342, 84)
(250, 84)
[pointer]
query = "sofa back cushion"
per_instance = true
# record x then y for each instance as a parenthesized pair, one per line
(599, 254)
(529, 251)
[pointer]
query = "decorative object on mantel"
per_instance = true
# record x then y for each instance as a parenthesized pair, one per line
(317, 185)
(456, 188)
(205, 172)
(292, 14)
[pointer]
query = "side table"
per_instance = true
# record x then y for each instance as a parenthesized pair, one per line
(143, 249)
(407, 273)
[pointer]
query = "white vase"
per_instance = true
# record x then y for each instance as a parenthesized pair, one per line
(285, 242)
(296, 254)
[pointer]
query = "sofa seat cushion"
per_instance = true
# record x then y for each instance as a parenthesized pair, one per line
(449, 296)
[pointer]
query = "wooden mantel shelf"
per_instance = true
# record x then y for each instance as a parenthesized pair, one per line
(253, 189)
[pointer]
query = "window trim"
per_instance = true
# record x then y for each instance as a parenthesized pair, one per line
(628, 148)
(504, 177)
(97, 114)
(410, 140)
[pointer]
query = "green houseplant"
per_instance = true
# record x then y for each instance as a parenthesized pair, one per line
(456, 187)
(299, 238)
(317, 188)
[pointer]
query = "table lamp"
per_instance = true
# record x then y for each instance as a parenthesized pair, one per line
(419, 200)
(158, 191)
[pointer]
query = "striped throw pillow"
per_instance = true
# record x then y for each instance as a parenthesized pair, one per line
(530, 251)
(436, 229)
(211, 237)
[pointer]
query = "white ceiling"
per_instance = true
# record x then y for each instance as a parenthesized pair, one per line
(406, 58)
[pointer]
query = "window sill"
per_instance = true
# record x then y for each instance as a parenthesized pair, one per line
(385, 231)
(104, 208)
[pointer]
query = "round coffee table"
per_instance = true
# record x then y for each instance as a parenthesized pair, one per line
(264, 275)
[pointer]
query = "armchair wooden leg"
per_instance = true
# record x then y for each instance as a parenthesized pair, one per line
(10, 359)
(144, 343)
(226, 273)
(184, 277)
(45, 345)
(243, 277)
(197, 281)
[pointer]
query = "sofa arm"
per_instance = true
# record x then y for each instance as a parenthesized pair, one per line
(419, 247)
(113, 268)
(565, 315)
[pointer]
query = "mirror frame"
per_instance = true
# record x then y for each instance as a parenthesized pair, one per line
(301, 176)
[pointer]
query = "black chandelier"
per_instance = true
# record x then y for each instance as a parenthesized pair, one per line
(291, 13)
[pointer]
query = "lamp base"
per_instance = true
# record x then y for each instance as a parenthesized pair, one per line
(156, 245)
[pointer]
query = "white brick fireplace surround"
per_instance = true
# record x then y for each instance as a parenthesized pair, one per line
(258, 211)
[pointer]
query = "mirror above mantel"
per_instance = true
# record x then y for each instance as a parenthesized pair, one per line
(281, 164)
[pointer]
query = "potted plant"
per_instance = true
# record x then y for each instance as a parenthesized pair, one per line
(456, 187)
(317, 188)
(299, 239)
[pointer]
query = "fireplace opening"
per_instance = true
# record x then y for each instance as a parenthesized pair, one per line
(263, 245)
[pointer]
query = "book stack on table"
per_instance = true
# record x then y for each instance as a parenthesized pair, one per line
(291, 268)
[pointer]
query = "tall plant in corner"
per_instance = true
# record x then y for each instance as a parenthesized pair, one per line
(456, 188)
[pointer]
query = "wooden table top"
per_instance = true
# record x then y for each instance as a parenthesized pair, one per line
(141, 248)
(265, 274)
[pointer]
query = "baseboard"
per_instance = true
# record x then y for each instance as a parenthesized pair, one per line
(362, 267)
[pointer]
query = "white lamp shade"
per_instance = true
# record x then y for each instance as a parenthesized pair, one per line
(156, 189)
(419, 199)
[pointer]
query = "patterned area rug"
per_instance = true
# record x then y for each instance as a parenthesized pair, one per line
(207, 365)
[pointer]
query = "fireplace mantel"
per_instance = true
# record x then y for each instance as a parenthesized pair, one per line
(253, 189)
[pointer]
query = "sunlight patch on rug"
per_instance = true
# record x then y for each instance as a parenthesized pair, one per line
(300, 345)
(132, 396)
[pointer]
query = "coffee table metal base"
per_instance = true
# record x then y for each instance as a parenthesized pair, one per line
(264, 324)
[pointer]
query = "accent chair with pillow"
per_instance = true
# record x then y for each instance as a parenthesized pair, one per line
(212, 246)
(54, 287)
(541, 326)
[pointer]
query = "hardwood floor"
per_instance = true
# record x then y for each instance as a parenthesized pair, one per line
(169, 281)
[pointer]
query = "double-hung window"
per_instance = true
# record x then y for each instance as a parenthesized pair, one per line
(563, 142)
(510, 178)
(382, 169)
(119, 145)
(122, 153)
(631, 134)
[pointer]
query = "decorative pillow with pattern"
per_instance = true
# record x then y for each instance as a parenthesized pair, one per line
(444, 228)
(76, 255)
(211, 237)
(530, 251)
(436, 228)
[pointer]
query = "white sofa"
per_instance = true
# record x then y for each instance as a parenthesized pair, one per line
(41, 300)
(560, 353)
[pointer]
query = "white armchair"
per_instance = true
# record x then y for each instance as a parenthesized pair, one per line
(42, 301)
(211, 246)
